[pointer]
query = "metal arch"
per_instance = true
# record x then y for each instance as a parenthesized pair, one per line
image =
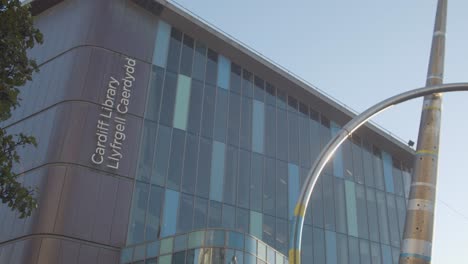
(327, 153)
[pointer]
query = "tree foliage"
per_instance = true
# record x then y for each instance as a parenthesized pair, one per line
(17, 35)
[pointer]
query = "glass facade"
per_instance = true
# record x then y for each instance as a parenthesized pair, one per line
(223, 156)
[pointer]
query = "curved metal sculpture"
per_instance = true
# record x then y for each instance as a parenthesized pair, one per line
(327, 153)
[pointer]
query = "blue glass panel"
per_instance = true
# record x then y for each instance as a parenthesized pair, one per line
(256, 186)
(152, 249)
(196, 239)
(293, 187)
(256, 222)
(386, 254)
(162, 44)
(126, 255)
(180, 243)
(330, 243)
(154, 94)
(137, 217)
(375, 253)
(214, 238)
(258, 126)
(182, 102)
(342, 248)
(351, 208)
(217, 171)
(229, 217)
(235, 240)
(250, 245)
(319, 245)
(185, 214)
(171, 203)
(388, 171)
(224, 70)
(153, 213)
(139, 252)
(364, 251)
(338, 157)
(214, 217)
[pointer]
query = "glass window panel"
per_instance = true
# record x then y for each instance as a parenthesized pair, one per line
(154, 212)
(292, 103)
(375, 253)
(261, 251)
(230, 179)
(242, 220)
(270, 131)
(196, 239)
(342, 248)
(161, 161)
(348, 170)
(235, 80)
(407, 181)
(258, 126)
(387, 171)
(401, 209)
(351, 210)
(217, 171)
(182, 102)
(314, 124)
(154, 93)
(304, 135)
(187, 56)
(338, 156)
(353, 246)
(200, 213)
(185, 214)
(293, 145)
(168, 99)
(199, 62)
(269, 186)
(364, 251)
(220, 128)
(195, 107)
(229, 217)
(316, 205)
(328, 202)
(386, 254)
(282, 236)
(171, 203)
(357, 160)
(211, 67)
(234, 119)
(281, 99)
(281, 189)
(282, 135)
(244, 179)
(173, 56)
(307, 247)
(204, 168)
(293, 188)
(270, 255)
(395, 255)
(190, 164)
(259, 91)
(250, 259)
(270, 94)
(256, 222)
(319, 245)
(378, 169)
(208, 111)
(256, 186)
(372, 215)
(224, 69)
(152, 249)
(363, 227)
(397, 178)
(214, 238)
(393, 221)
(137, 217)
(251, 245)
(246, 123)
(325, 134)
(162, 44)
(383, 220)
(176, 160)
(235, 240)
(247, 86)
(178, 258)
(214, 219)
(330, 243)
(180, 243)
(340, 206)
(166, 245)
(147, 146)
(367, 159)
(269, 230)
(167, 259)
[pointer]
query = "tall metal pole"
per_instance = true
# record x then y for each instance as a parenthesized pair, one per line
(419, 225)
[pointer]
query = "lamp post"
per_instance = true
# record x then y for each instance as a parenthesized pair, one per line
(327, 153)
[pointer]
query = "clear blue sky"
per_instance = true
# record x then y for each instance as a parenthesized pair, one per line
(361, 52)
